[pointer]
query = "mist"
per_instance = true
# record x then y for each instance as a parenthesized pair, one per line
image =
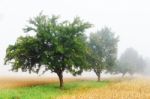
(124, 18)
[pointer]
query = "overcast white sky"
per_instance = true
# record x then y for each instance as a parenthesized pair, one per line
(130, 19)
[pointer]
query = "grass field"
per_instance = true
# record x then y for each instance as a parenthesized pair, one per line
(50, 91)
(137, 88)
(127, 88)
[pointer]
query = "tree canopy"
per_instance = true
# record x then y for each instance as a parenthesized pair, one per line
(58, 46)
(23, 54)
(103, 50)
(130, 62)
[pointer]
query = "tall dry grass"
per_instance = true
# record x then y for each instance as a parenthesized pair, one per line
(121, 89)
(23, 81)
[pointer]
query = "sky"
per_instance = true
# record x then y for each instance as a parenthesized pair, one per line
(129, 19)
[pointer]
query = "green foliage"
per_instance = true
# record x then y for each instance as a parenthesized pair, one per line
(63, 45)
(103, 50)
(23, 54)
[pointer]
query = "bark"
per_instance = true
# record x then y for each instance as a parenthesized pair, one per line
(99, 77)
(60, 75)
(98, 74)
(123, 74)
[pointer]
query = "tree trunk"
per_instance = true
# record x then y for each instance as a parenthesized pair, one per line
(123, 74)
(60, 75)
(99, 77)
(98, 74)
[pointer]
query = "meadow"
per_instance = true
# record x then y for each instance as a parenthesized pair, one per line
(115, 88)
(33, 89)
(137, 88)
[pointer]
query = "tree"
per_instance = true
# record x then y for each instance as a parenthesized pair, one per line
(103, 50)
(130, 62)
(147, 66)
(60, 46)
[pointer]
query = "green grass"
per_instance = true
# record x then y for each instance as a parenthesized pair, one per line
(48, 91)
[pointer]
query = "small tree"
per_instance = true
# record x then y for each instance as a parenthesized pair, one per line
(60, 46)
(103, 50)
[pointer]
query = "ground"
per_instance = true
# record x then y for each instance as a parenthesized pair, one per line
(128, 88)
(75, 88)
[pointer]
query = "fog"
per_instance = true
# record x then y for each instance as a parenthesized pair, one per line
(127, 18)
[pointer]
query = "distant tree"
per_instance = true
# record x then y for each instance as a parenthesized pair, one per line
(103, 50)
(130, 62)
(141, 65)
(59, 46)
(147, 66)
